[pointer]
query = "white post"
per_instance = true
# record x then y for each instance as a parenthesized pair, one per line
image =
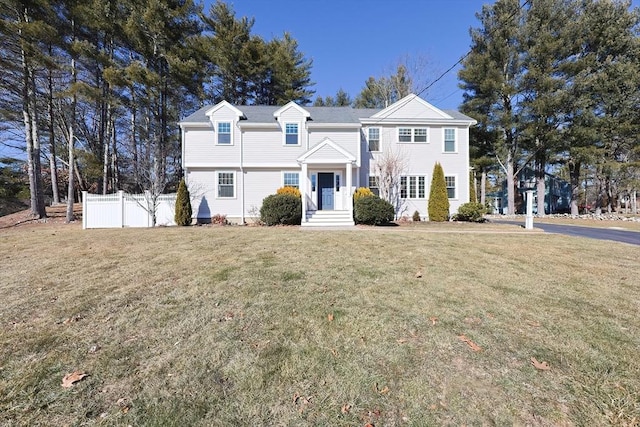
(84, 210)
(349, 191)
(122, 208)
(529, 221)
(303, 191)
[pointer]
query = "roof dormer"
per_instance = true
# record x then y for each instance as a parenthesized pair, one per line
(222, 106)
(291, 111)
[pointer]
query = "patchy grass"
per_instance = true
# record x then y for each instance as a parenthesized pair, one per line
(253, 326)
(588, 222)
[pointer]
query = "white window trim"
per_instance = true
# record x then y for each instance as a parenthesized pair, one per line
(215, 130)
(235, 184)
(379, 140)
(455, 141)
(284, 134)
(426, 192)
(412, 128)
(457, 188)
(282, 178)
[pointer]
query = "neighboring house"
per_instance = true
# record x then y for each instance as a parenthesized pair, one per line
(557, 197)
(235, 156)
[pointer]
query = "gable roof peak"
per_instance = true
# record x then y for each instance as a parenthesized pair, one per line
(288, 105)
(223, 104)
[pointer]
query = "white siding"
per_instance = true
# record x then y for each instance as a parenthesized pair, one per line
(258, 185)
(201, 149)
(203, 189)
(347, 139)
(265, 146)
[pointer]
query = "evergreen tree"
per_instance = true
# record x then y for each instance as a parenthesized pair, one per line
(384, 91)
(183, 205)
(491, 76)
(438, 198)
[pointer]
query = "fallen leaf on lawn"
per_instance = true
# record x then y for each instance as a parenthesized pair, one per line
(345, 408)
(418, 274)
(384, 390)
(369, 425)
(72, 378)
(533, 323)
(541, 366)
(401, 340)
(471, 344)
(334, 352)
(330, 317)
(433, 320)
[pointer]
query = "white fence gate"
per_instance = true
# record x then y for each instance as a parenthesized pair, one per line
(126, 210)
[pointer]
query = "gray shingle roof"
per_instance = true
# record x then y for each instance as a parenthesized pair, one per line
(264, 114)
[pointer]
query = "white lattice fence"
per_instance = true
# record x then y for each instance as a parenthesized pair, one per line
(126, 210)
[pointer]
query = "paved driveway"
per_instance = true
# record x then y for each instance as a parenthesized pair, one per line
(617, 235)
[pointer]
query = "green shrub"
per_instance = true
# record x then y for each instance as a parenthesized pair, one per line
(285, 209)
(470, 212)
(438, 198)
(372, 210)
(416, 216)
(183, 210)
(289, 190)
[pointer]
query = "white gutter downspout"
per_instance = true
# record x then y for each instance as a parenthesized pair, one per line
(242, 217)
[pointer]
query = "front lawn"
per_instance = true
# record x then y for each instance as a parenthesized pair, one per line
(219, 326)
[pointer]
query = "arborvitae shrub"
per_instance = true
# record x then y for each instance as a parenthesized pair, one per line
(372, 210)
(416, 216)
(470, 212)
(438, 198)
(183, 210)
(281, 209)
(362, 192)
(473, 197)
(289, 190)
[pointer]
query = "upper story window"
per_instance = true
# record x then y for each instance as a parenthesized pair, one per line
(412, 135)
(374, 139)
(291, 179)
(291, 134)
(449, 141)
(451, 186)
(224, 133)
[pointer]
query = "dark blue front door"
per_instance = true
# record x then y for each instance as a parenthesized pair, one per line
(325, 191)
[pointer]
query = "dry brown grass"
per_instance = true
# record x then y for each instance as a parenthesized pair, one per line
(256, 326)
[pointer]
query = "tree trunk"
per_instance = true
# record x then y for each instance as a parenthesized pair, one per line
(511, 193)
(574, 178)
(53, 164)
(483, 187)
(31, 136)
(72, 120)
(541, 186)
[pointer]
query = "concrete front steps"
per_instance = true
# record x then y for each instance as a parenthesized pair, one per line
(328, 219)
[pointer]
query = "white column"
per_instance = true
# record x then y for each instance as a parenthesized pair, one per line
(348, 185)
(529, 220)
(304, 183)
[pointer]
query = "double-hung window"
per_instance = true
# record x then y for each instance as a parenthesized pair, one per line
(412, 187)
(224, 133)
(373, 185)
(451, 186)
(412, 135)
(226, 185)
(291, 179)
(291, 134)
(374, 139)
(449, 141)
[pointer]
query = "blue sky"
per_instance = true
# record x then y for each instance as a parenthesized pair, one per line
(350, 40)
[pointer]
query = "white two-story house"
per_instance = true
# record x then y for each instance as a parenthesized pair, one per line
(235, 156)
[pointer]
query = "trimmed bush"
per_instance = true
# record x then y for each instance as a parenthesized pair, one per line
(362, 192)
(416, 216)
(281, 209)
(438, 198)
(289, 190)
(372, 210)
(470, 212)
(183, 210)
